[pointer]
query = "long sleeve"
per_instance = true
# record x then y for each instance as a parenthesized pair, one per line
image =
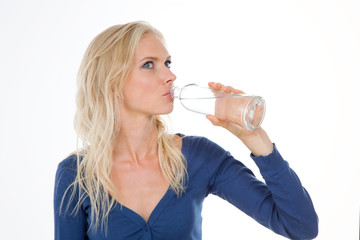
(282, 204)
(68, 225)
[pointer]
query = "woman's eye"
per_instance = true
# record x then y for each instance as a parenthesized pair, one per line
(148, 65)
(168, 64)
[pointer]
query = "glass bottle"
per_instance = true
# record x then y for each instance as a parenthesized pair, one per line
(247, 111)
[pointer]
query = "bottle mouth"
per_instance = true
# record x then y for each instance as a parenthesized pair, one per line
(174, 92)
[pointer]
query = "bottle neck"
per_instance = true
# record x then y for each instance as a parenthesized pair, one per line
(175, 92)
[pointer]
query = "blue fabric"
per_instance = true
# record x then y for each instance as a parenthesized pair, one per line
(282, 204)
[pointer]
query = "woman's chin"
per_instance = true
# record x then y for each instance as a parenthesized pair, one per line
(167, 111)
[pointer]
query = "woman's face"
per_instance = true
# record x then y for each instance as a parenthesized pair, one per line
(146, 90)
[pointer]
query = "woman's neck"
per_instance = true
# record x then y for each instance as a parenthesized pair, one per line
(137, 140)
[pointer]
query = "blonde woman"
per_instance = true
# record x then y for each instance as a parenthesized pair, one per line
(133, 180)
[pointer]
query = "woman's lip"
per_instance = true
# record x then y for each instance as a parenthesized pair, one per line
(168, 94)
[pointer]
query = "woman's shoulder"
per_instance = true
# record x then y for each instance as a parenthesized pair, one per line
(202, 153)
(195, 139)
(195, 142)
(70, 162)
(67, 168)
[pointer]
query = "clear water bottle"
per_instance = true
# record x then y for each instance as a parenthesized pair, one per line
(247, 111)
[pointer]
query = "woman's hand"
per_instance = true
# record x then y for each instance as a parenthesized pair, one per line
(257, 141)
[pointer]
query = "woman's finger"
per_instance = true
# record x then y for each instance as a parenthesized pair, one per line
(217, 122)
(227, 89)
(216, 86)
(214, 120)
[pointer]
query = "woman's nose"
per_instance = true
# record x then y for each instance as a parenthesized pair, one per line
(169, 76)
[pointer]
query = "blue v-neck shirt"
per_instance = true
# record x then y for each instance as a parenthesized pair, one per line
(282, 204)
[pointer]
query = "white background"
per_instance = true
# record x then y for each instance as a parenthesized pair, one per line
(303, 57)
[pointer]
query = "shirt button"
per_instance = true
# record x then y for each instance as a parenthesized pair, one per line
(146, 228)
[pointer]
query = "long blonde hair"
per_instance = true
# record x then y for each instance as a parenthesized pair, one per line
(102, 75)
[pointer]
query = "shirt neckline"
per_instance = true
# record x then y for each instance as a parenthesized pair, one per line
(161, 205)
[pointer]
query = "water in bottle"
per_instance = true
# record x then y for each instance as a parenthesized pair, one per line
(247, 111)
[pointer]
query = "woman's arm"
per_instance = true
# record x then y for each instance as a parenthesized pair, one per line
(282, 204)
(70, 223)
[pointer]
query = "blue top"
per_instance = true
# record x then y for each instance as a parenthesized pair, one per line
(282, 204)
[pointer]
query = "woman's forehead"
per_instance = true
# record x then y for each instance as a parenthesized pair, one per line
(150, 46)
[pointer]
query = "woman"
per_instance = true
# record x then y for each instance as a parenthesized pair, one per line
(133, 180)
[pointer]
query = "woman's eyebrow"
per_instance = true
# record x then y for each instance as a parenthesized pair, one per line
(152, 58)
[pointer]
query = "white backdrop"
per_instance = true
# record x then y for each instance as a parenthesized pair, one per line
(303, 57)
